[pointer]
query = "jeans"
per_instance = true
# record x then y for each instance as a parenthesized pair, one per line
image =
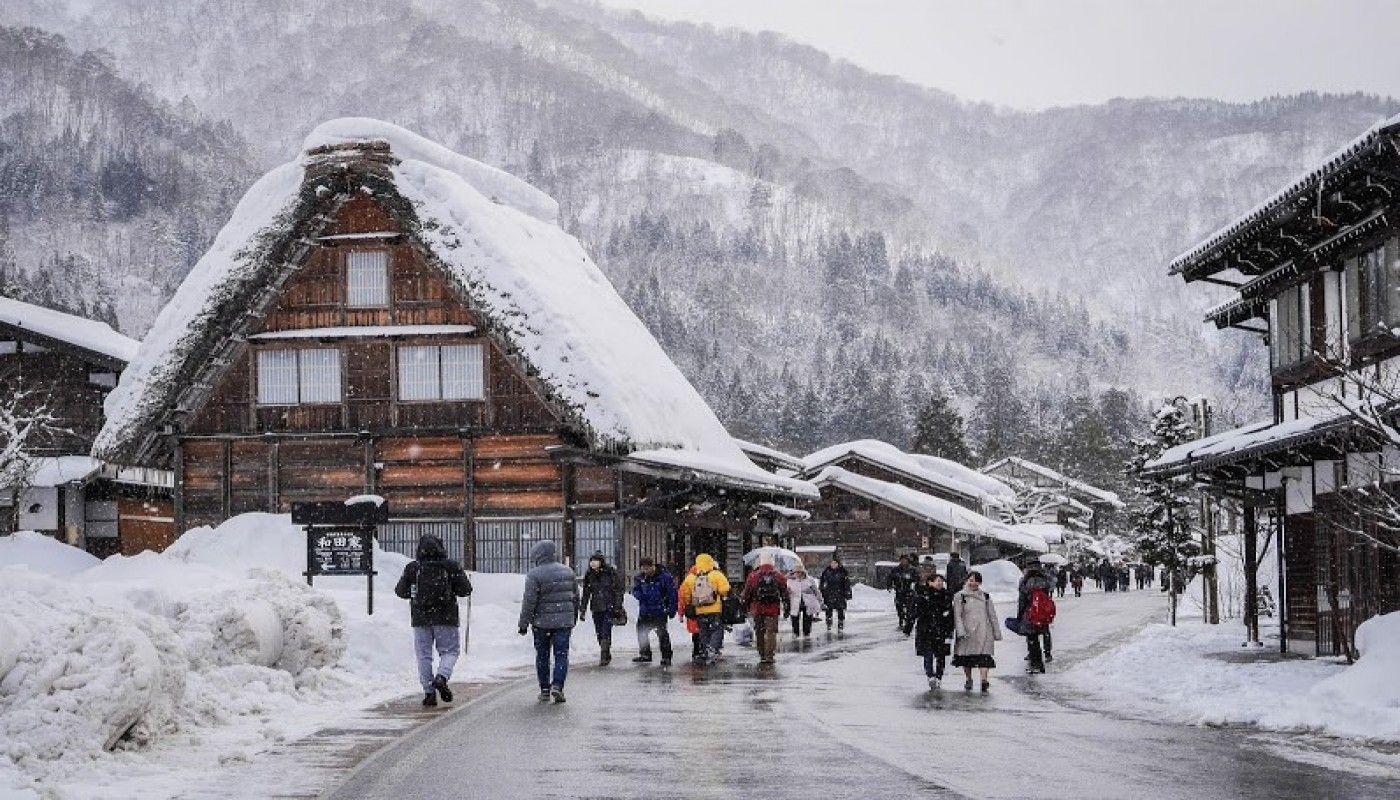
(930, 662)
(448, 648)
(712, 632)
(557, 640)
(645, 625)
(602, 625)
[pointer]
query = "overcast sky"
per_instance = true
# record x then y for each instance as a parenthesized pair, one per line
(1040, 53)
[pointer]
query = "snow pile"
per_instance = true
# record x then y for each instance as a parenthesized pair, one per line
(41, 553)
(867, 598)
(1213, 681)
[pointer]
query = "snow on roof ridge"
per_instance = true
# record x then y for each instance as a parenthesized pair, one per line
(404, 144)
(1105, 495)
(1243, 221)
(934, 470)
(89, 334)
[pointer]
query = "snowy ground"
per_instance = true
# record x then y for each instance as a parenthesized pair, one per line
(216, 651)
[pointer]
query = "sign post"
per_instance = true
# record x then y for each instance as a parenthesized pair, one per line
(340, 537)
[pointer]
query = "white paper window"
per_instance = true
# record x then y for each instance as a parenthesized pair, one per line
(367, 279)
(290, 377)
(441, 372)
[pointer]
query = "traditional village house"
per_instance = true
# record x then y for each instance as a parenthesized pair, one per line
(878, 502)
(1046, 496)
(67, 364)
(1317, 270)
(385, 316)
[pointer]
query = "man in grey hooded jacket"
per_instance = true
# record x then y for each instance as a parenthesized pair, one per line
(550, 604)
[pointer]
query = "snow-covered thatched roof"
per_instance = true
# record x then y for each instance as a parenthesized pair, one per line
(930, 470)
(933, 510)
(1058, 480)
(91, 335)
(496, 240)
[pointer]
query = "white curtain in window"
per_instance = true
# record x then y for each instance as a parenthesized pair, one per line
(367, 279)
(418, 373)
(462, 377)
(277, 377)
(320, 375)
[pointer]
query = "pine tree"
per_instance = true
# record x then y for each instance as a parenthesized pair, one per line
(1164, 517)
(939, 431)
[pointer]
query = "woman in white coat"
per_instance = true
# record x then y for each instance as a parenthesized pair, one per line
(805, 600)
(976, 630)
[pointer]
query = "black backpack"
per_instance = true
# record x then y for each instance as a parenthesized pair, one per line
(432, 587)
(768, 590)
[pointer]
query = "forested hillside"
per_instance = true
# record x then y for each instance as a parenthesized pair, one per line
(823, 250)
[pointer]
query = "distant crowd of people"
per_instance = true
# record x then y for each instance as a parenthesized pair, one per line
(946, 613)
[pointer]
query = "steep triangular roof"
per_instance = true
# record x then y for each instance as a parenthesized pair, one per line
(495, 239)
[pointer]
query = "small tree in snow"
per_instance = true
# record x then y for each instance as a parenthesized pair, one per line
(1164, 519)
(22, 422)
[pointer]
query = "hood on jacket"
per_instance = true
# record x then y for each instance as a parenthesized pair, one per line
(430, 548)
(704, 562)
(544, 552)
(600, 558)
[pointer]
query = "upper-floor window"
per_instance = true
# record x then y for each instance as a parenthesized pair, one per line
(442, 372)
(1291, 339)
(367, 278)
(293, 377)
(1373, 291)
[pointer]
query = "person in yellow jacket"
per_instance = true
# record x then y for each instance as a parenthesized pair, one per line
(702, 596)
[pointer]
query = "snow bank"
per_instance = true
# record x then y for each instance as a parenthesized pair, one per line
(867, 598)
(1213, 681)
(44, 554)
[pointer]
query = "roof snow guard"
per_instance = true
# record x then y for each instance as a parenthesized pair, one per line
(1230, 247)
(494, 237)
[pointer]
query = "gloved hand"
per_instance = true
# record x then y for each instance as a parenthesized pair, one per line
(583, 615)
(523, 630)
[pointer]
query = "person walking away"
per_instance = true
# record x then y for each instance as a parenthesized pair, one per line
(976, 630)
(702, 597)
(692, 625)
(766, 596)
(1061, 581)
(836, 592)
(1076, 579)
(602, 594)
(551, 605)
(804, 601)
(1036, 611)
(902, 581)
(932, 625)
(655, 591)
(431, 585)
(956, 572)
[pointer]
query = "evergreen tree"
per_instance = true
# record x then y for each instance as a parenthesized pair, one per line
(939, 431)
(1163, 519)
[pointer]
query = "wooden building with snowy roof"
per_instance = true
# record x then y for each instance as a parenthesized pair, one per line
(67, 365)
(1315, 269)
(385, 316)
(1045, 495)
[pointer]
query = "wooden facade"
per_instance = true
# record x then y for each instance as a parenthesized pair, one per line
(1314, 268)
(317, 394)
(866, 531)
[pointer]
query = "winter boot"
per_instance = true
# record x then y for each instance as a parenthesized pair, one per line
(665, 661)
(557, 693)
(642, 658)
(544, 694)
(440, 683)
(429, 699)
(605, 654)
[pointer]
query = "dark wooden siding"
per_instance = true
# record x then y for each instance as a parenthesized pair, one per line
(515, 475)
(1300, 576)
(60, 382)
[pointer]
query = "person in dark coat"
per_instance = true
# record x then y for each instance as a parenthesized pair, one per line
(931, 621)
(602, 594)
(1076, 579)
(550, 604)
(1061, 581)
(956, 572)
(1034, 579)
(902, 582)
(835, 585)
(655, 591)
(435, 619)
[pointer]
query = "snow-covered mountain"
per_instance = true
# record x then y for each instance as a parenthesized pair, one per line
(817, 246)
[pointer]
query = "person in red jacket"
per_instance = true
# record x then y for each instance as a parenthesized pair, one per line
(765, 595)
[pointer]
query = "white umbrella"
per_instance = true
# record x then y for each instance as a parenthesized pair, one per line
(783, 558)
(1053, 558)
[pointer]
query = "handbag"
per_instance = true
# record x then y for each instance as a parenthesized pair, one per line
(620, 617)
(1013, 624)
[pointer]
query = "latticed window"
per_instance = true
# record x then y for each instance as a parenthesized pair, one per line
(292, 377)
(441, 372)
(367, 278)
(1289, 338)
(1373, 291)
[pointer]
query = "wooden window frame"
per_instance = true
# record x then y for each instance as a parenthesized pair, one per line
(387, 282)
(398, 377)
(300, 377)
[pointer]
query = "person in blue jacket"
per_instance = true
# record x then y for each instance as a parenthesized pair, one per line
(550, 605)
(655, 591)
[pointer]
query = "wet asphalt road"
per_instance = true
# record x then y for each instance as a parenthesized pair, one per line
(841, 717)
